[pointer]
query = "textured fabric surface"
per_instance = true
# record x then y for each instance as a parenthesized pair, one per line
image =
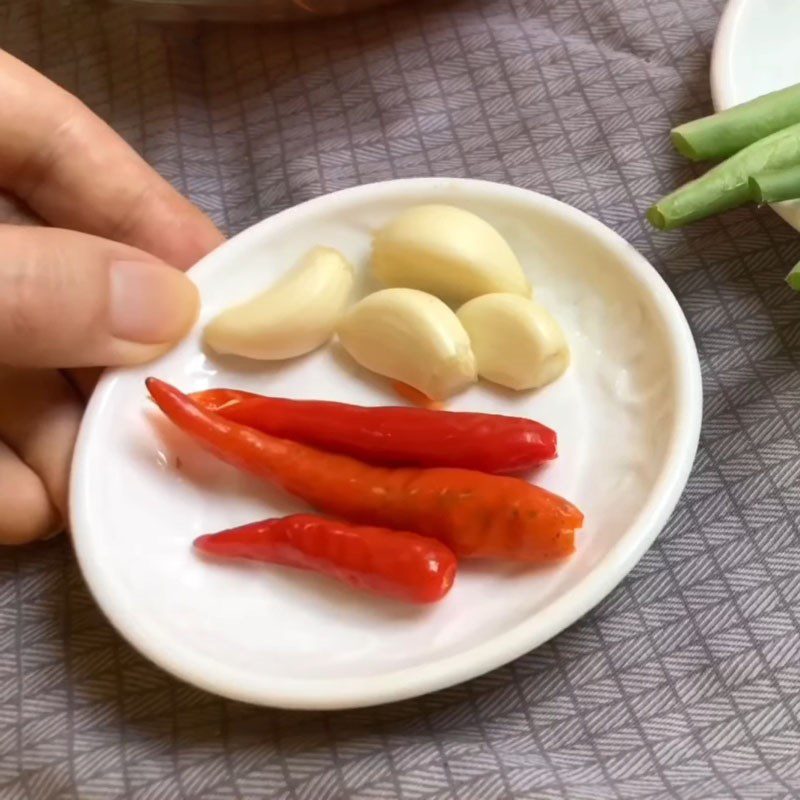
(685, 682)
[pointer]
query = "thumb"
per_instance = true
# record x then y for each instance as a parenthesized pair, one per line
(74, 300)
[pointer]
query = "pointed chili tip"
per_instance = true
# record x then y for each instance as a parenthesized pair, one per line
(159, 390)
(152, 386)
(217, 544)
(169, 399)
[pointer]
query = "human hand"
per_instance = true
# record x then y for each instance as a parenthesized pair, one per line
(100, 288)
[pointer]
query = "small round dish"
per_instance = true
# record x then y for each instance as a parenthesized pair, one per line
(755, 52)
(627, 413)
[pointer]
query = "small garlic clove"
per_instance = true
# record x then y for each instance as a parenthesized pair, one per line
(412, 337)
(448, 252)
(293, 317)
(516, 341)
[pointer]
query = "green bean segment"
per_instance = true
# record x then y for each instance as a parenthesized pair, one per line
(721, 135)
(793, 278)
(776, 186)
(727, 185)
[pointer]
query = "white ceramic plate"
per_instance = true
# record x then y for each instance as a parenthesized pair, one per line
(756, 51)
(627, 413)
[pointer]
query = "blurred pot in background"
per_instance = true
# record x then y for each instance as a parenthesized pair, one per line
(269, 10)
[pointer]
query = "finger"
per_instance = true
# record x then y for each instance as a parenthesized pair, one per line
(83, 380)
(39, 419)
(74, 171)
(26, 513)
(14, 212)
(73, 300)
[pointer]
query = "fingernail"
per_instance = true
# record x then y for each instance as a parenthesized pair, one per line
(151, 303)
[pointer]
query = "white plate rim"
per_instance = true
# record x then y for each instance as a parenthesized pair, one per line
(722, 55)
(495, 652)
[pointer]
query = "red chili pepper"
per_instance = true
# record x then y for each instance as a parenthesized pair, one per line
(399, 564)
(394, 436)
(476, 515)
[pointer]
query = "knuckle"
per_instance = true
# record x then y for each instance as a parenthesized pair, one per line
(28, 317)
(130, 213)
(53, 297)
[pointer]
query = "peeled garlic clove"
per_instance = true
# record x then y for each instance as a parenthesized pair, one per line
(412, 337)
(296, 315)
(447, 251)
(516, 342)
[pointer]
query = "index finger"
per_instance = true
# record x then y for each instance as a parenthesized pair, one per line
(76, 172)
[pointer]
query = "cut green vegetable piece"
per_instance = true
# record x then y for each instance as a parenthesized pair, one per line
(793, 278)
(727, 185)
(723, 134)
(776, 186)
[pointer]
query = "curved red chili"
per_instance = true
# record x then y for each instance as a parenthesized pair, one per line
(393, 436)
(399, 564)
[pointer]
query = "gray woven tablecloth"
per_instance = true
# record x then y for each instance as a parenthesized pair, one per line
(685, 682)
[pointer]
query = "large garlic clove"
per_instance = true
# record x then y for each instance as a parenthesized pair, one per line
(296, 315)
(516, 342)
(412, 337)
(447, 251)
